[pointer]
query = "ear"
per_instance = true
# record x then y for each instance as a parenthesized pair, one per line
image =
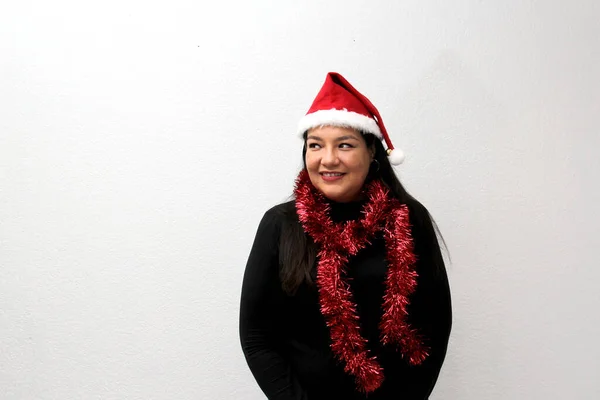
(372, 151)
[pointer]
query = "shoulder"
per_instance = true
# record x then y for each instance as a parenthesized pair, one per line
(417, 213)
(281, 213)
(415, 206)
(422, 224)
(281, 210)
(277, 216)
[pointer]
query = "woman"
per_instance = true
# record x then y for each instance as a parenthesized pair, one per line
(345, 294)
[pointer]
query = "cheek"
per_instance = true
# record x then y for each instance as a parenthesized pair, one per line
(360, 164)
(311, 161)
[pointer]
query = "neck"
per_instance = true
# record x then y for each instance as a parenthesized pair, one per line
(346, 211)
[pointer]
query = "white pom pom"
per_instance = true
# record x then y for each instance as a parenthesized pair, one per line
(396, 156)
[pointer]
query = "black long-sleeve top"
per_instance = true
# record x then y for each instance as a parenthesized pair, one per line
(286, 341)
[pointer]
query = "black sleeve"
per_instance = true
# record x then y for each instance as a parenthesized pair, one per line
(431, 302)
(259, 309)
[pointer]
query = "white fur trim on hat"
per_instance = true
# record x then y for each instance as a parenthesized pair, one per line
(344, 118)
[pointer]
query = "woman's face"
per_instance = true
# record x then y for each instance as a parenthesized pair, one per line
(338, 161)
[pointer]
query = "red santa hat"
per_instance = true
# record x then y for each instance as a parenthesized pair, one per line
(340, 104)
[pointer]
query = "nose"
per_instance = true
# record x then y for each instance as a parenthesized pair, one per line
(330, 157)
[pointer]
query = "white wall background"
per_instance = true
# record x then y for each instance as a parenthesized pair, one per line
(140, 143)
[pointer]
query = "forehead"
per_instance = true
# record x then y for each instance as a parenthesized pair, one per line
(330, 132)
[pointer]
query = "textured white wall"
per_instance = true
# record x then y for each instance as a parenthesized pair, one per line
(141, 142)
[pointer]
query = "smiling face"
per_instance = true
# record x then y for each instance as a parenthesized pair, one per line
(338, 161)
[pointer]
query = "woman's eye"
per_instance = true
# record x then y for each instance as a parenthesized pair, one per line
(346, 146)
(313, 146)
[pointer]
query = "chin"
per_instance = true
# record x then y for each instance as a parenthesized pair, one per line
(338, 192)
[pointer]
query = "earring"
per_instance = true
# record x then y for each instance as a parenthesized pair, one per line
(377, 162)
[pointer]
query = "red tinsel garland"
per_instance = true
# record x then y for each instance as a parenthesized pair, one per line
(337, 243)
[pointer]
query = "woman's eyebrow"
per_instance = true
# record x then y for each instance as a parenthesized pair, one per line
(342, 138)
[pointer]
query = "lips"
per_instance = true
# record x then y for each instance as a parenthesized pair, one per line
(331, 176)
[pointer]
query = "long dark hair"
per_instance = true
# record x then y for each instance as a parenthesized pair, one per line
(297, 251)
